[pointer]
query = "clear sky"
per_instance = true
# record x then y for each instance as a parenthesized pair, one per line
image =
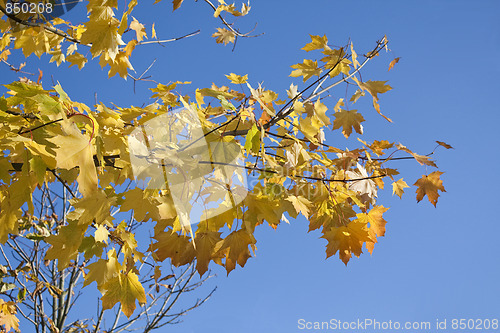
(434, 263)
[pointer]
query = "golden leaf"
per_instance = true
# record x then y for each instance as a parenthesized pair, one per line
(205, 245)
(126, 289)
(77, 59)
(348, 120)
(398, 187)
(140, 30)
(224, 36)
(237, 79)
(375, 223)
(346, 240)
(301, 204)
(394, 62)
(317, 42)
(104, 37)
(306, 69)
(235, 248)
(429, 185)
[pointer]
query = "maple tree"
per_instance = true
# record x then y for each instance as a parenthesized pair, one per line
(57, 148)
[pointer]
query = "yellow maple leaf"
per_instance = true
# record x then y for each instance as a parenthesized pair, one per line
(300, 204)
(375, 223)
(77, 59)
(398, 187)
(224, 36)
(57, 56)
(65, 244)
(374, 88)
(174, 246)
(140, 202)
(348, 120)
(140, 30)
(74, 150)
(126, 289)
(235, 248)
(103, 270)
(237, 79)
(317, 42)
(104, 37)
(346, 240)
(205, 245)
(253, 139)
(320, 111)
(336, 61)
(429, 185)
(26, 42)
(4, 55)
(120, 66)
(11, 200)
(307, 69)
(8, 317)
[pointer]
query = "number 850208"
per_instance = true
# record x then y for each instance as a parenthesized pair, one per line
(29, 8)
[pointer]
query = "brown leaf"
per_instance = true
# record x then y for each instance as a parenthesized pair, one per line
(394, 62)
(447, 146)
(429, 185)
(177, 4)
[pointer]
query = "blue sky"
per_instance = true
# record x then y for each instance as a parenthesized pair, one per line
(434, 263)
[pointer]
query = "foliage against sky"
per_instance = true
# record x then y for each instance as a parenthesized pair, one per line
(47, 138)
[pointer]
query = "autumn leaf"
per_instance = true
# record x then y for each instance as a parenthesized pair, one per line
(140, 30)
(65, 244)
(252, 141)
(430, 185)
(101, 234)
(374, 88)
(365, 187)
(316, 43)
(346, 240)
(103, 270)
(137, 200)
(174, 246)
(398, 187)
(306, 69)
(126, 289)
(104, 37)
(348, 120)
(301, 204)
(177, 4)
(8, 317)
(224, 36)
(237, 79)
(120, 66)
(205, 245)
(73, 150)
(77, 59)
(90, 248)
(235, 248)
(394, 62)
(355, 61)
(153, 31)
(447, 146)
(375, 223)
(423, 160)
